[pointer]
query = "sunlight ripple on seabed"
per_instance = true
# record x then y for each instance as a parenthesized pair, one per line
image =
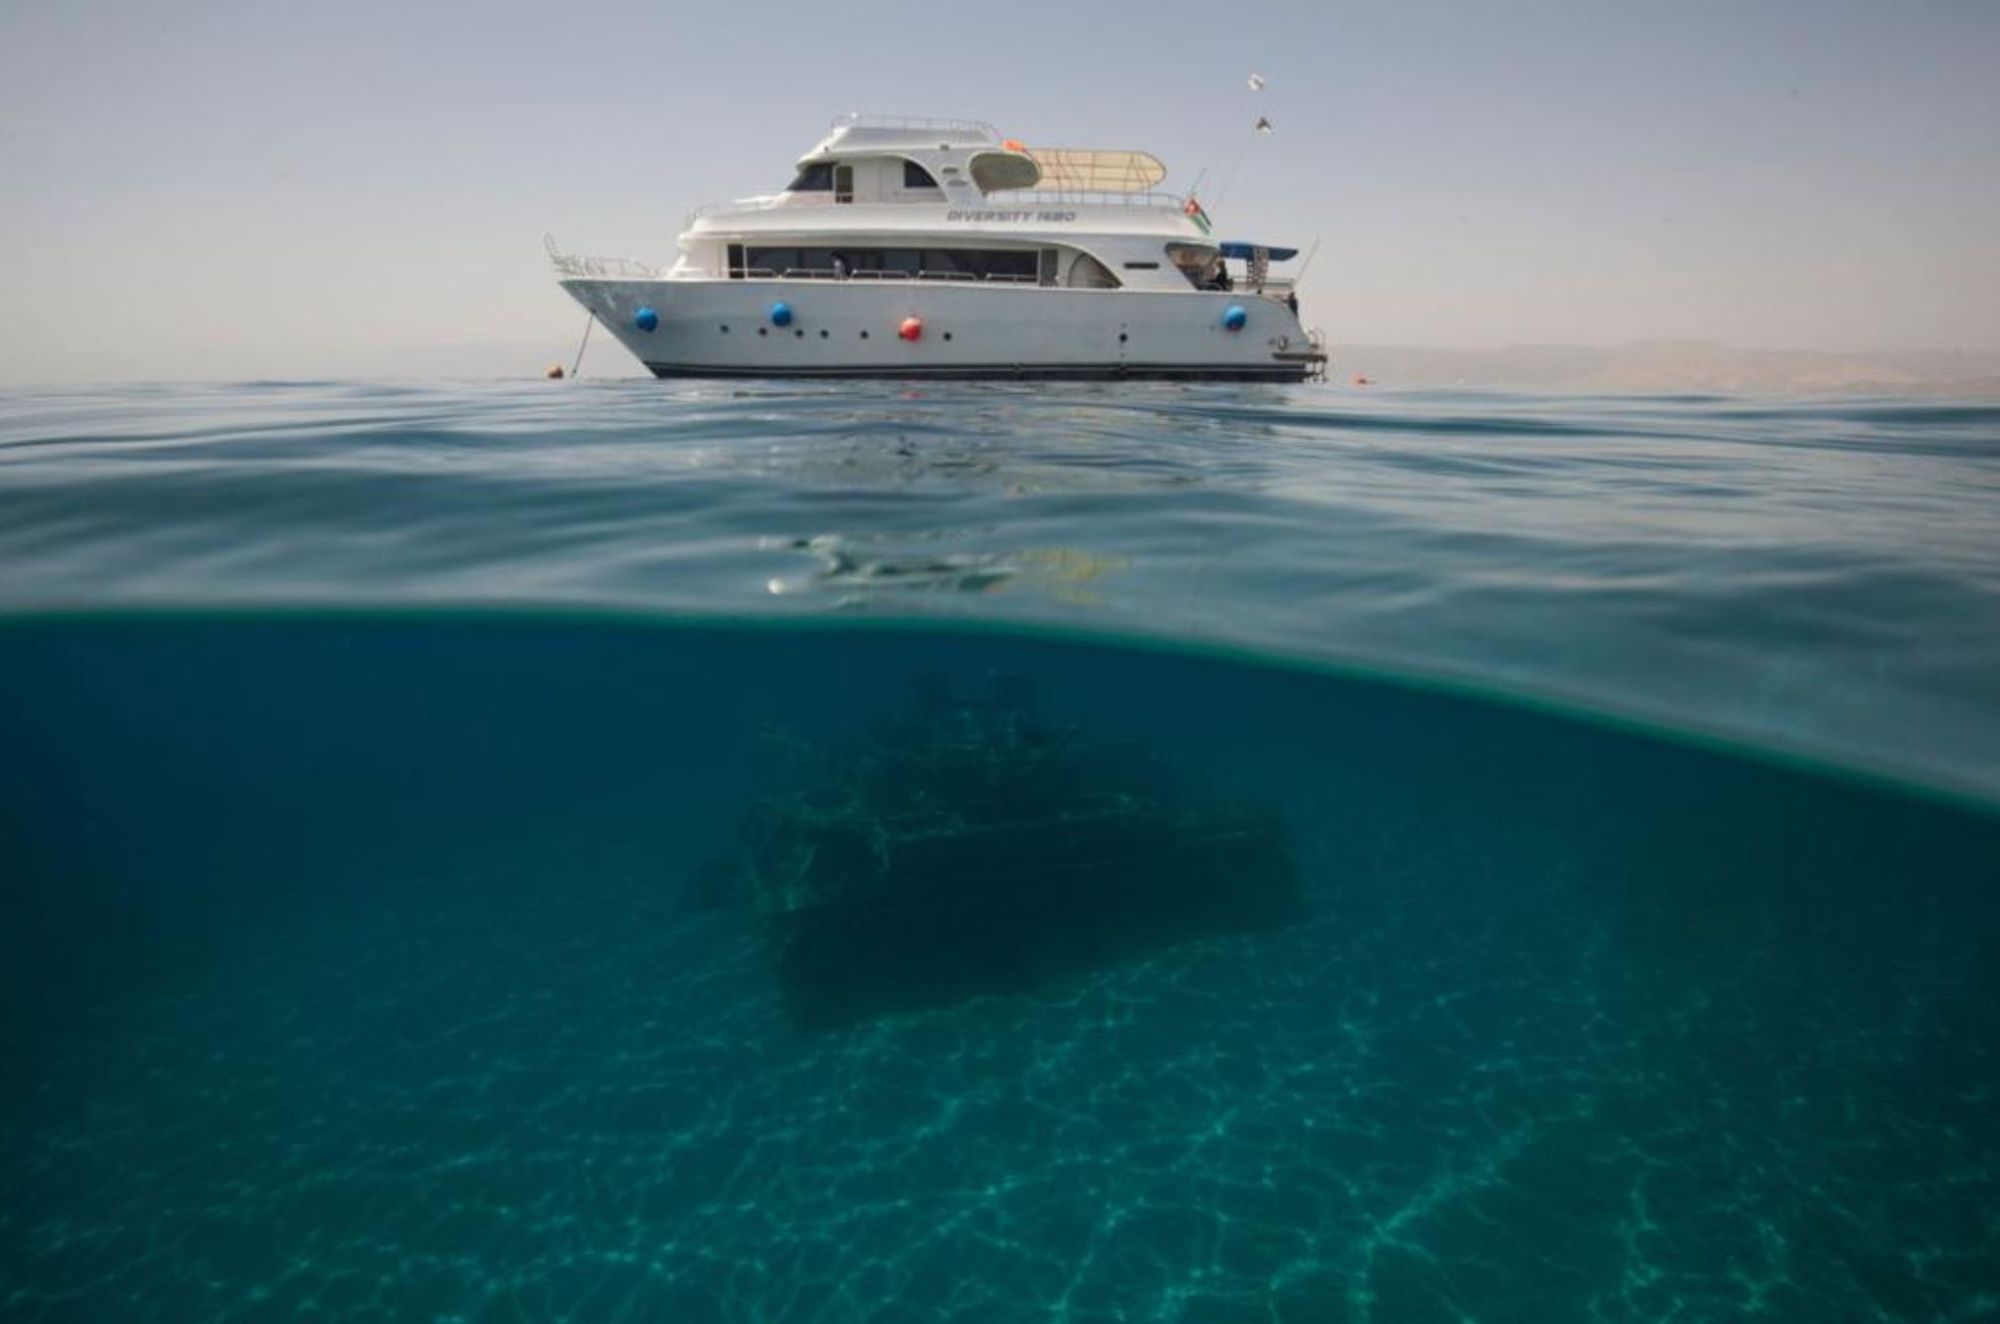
(390, 994)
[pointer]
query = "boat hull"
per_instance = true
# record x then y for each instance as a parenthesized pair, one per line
(849, 328)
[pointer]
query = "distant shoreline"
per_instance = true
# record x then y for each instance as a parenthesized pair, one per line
(1700, 367)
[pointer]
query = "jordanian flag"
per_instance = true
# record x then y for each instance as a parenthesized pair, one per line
(1196, 214)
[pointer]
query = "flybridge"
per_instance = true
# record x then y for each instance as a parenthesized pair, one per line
(889, 130)
(995, 164)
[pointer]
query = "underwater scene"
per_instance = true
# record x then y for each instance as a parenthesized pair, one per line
(1144, 854)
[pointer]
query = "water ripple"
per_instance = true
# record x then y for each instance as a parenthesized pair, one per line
(1821, 575)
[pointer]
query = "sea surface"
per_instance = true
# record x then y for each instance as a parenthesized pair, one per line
(392, 781)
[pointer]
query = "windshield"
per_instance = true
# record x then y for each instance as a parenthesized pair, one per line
(815, 178)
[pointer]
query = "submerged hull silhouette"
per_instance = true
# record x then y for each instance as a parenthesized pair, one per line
(966, 848)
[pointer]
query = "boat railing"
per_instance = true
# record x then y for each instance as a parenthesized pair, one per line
(831, 273)
(778, 202)
(1040, 199)
(1085, 197)
(576, 264)
(858, 120)
(739, 204)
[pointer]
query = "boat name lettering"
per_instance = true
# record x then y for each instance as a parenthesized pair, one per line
(983, 214)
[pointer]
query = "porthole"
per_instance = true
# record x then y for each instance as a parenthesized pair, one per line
(1122, 337)
(763, 330)
(725, 328)
(800, 333)
(824, 333)
(864, 335)
(947, 335)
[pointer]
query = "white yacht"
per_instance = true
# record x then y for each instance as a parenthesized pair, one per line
(936, 248)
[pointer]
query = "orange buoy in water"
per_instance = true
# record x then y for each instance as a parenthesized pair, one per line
(911, 329)
(1360, 380)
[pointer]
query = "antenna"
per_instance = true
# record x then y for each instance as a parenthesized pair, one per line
(1311, 253)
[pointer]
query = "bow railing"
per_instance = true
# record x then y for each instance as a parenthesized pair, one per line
(577, 265)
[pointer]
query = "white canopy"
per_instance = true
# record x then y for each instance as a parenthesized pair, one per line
(1101, 171)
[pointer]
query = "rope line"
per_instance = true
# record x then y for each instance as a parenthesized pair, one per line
(589, 320)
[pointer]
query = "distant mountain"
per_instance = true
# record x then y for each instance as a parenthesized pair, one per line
(1673, 367)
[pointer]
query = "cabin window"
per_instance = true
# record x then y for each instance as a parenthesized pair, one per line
(843, 183)
(815, 178)
(1198, 262)
(915, 176)
(1087, 273)
(1000, 264)
(983, 264)
(1142, 266)
(735, 264)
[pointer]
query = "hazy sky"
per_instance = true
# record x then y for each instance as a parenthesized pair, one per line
(286, 188)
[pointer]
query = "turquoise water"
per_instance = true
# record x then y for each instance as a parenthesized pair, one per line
(364, 751)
